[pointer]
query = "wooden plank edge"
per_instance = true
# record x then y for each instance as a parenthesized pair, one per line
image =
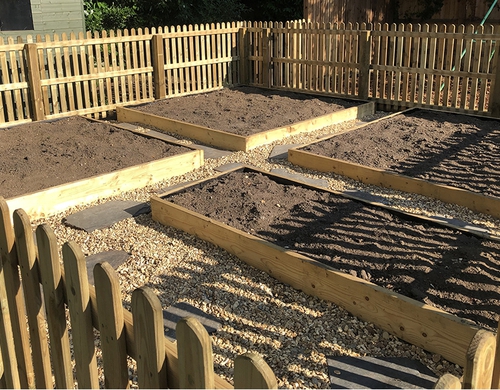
(408, 319)
(382, 178)
(278, 133)
(59, 198)
(203, 134)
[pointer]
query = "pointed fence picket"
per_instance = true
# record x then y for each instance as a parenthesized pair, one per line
(52, 293)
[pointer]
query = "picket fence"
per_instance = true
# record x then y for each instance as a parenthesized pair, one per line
(451, 67)
(34, 286)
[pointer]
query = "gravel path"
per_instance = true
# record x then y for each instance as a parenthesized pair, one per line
(294, 332)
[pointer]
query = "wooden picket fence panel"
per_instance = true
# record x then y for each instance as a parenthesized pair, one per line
(35, 286)
(448, 67)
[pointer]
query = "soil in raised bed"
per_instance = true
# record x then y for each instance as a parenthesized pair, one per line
(40, 155)
(245, 110)
(457, 150)
(443, 267)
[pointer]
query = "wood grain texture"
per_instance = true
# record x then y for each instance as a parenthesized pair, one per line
(27, 256)
(194, 346)
(54, 298)
(252, 372)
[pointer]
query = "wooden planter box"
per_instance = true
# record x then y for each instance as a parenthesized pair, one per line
(229, 141)
(475, 201)
(408, 319)
(55, 199)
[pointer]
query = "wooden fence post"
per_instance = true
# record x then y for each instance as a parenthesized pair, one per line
(252, 372)
(194, 349)
(27, 255)
(34, 85)
(53, 292)
(15, 298)
(448, 381)
(149, 338)
(159, 67)
(480, 357)
(111, 327)
(80, 310)
(266, 58)
(364, 64)
(495, 381)
(495, 94)
(243, 51)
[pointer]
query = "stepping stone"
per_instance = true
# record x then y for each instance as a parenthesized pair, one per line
(366, 196)
(280, 152)
(348, 372)
(114, 258)
(178, 311)
(106, 214)
(209, 152)
(228, 167)
(461, 224)
(301, 178)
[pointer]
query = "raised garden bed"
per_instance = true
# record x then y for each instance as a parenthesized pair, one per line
(446, 156)
(314, 240)
(46, 167)
(244, 118)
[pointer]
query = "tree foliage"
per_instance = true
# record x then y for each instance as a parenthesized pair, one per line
(111, 15)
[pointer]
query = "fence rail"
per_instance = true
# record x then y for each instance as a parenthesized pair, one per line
(449, 67)
(34, 285)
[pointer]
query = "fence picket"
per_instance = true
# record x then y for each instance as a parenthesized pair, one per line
(252, 372)
(53, 290)
(15, 299)
(194, 348)
(27, 255)
(448, 381)
(148, 332)
(431, 65)
(111, 326)
(480, 359)
(80, 310)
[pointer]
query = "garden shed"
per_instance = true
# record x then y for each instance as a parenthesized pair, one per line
(32, 17)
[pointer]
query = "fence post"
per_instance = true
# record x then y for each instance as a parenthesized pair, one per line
(194, 349)
(495, 381)
(364, 64)
(252, 372)
(480, 357)
(266, 58)
(35, 87)
(111, 326)
(53, 290)
(80, 311)
(495, 94)
(27, 255)
(149, 338)
(15, 298)
(243, 68)
(159, 67)
(448, 381)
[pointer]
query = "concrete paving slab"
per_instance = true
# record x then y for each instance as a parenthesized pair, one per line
(348, 372)
(106, 214)
(114, 258)
(229, 166)
(209, 152)
(178, 311)
(280, 152)
(301, 178)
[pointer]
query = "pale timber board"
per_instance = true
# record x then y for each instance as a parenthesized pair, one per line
(474, 201)
(413, 321)
(59, 198)
(229, 141)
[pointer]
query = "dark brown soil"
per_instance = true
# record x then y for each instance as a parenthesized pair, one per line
(442, 267)
(40, 155)
(245, 110)
(456, 150)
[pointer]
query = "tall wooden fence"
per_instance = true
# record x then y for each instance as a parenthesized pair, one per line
(34, 286)
(399, 66)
